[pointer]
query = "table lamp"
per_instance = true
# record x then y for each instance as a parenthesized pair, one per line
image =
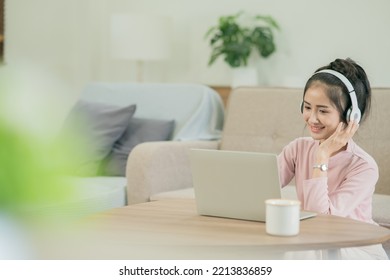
(140, 38)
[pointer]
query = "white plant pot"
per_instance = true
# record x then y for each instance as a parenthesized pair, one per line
(244, 76)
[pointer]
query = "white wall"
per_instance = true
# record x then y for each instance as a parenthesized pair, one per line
(70, 37)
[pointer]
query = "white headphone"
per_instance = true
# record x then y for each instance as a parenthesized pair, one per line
(353, 112)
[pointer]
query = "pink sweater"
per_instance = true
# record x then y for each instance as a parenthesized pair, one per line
(348, 189)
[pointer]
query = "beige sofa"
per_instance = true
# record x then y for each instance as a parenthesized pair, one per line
(257, 119)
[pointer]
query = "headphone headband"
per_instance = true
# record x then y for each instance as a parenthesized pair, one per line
(354, 112)
(341, 77)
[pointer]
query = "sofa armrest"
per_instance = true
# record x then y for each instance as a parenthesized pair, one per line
(154, 167)
(380, 209)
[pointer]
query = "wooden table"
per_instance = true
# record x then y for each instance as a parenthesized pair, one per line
(171, 229)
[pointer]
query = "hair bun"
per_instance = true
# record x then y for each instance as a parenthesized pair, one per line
(347, 67)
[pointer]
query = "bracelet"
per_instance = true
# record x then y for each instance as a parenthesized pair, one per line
(322, 166)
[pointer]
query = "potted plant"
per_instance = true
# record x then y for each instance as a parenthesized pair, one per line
(235, 41)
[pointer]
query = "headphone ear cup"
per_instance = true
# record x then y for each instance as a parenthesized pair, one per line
(302, 107)
(348, 115)
(353, 115)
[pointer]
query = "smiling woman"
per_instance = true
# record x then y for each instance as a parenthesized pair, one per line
(334, 175)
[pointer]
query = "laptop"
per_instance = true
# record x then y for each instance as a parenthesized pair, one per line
(235, 184)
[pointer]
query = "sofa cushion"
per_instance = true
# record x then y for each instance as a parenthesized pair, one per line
(91, 195)
(138, 131)
(93, 128)
(262, 119)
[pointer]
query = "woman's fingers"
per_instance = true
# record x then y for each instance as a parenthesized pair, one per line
(351, 128)
(339, 128)
(340, 137)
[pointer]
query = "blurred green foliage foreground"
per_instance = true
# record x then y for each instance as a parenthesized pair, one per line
(32, 173)
(33, 166)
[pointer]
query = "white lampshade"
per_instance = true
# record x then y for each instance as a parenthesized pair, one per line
(140, 37)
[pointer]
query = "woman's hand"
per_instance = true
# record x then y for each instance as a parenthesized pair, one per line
(337, 141)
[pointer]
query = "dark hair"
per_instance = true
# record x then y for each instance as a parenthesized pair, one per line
(338, 92)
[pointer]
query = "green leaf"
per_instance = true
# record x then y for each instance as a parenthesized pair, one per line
(263, 39)
(269, 20)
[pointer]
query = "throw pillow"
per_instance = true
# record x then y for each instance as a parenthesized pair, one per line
(94, 127)
(138, 131)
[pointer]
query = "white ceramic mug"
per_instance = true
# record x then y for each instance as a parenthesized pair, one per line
(282, 217)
